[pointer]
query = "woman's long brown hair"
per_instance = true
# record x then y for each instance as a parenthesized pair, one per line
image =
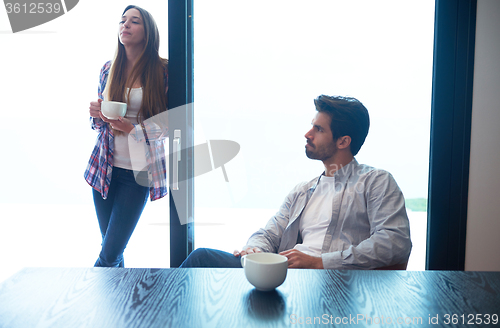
(149, 69)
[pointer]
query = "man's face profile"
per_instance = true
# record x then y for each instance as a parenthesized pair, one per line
(320, 144)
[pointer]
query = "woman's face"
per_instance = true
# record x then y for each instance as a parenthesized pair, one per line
(131, 29)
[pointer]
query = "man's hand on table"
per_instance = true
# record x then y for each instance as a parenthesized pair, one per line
(297, 259)
(248, 250)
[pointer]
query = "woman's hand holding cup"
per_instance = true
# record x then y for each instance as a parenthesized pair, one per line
(95, 108)
(121, 124)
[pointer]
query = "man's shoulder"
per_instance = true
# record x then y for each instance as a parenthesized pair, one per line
(370, 171)
(305, 185)
(374, 178)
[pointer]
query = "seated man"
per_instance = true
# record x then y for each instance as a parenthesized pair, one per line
(353, 216)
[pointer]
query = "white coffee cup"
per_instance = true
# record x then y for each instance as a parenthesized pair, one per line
(265, 271)
(113, 109)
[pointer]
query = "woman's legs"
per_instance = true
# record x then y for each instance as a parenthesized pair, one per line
(118, 215)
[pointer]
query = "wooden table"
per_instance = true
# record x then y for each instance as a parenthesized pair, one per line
(113, 297)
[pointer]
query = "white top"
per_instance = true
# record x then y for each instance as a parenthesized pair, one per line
(316, 217)
(128, 153)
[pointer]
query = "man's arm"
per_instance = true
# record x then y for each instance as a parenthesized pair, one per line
(389, 242)
(269, 238)
(300, 260)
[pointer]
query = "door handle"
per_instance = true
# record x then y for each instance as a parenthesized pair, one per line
(177, 158)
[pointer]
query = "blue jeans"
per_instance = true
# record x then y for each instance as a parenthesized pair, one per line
(118, 215)
(211, 258)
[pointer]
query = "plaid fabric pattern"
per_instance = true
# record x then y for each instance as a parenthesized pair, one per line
(100, 165)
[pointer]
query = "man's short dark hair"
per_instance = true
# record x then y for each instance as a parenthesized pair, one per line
(349, 118)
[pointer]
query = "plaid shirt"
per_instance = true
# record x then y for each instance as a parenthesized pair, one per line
(100, 166)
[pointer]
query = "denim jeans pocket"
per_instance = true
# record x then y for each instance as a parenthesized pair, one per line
(142, 178)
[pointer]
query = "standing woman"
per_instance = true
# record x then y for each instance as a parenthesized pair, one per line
(137, 76)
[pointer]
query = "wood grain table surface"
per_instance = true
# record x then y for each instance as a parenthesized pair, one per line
(116, 297)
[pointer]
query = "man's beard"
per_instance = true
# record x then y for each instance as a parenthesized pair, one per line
(321, 153)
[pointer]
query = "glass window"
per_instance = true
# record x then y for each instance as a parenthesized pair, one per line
(50, 74)
(258, 67)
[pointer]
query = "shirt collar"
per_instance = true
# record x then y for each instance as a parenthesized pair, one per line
(340, 175)
(344, 170)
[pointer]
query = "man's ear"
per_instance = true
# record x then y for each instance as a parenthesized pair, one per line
(343, 142)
